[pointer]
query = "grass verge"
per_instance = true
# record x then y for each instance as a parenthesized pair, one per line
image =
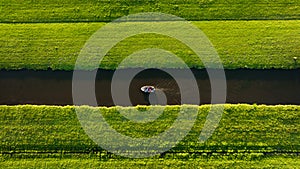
(103, 10)
(240, 44)
(243, 129)
(271, 162)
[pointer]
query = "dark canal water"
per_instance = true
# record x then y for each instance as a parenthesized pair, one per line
(243, 86)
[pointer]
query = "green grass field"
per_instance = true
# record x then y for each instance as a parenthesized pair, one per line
(240, 44)
(243, 128)
(271, 162)
(30, 133)
(103, 10)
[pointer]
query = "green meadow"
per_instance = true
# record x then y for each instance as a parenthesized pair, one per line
(240, 44)
(270, 162)
(243, 128)
(42, 136)
(103, 10)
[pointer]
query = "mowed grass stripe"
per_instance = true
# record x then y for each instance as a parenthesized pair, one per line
(103, 10)
(249, 128)
(240, 44)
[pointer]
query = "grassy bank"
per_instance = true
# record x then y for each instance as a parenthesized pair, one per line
(240, 44)
(271, 162)
(243, 128)
(103, 10)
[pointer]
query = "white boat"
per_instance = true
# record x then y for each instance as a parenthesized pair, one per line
(148, 89)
